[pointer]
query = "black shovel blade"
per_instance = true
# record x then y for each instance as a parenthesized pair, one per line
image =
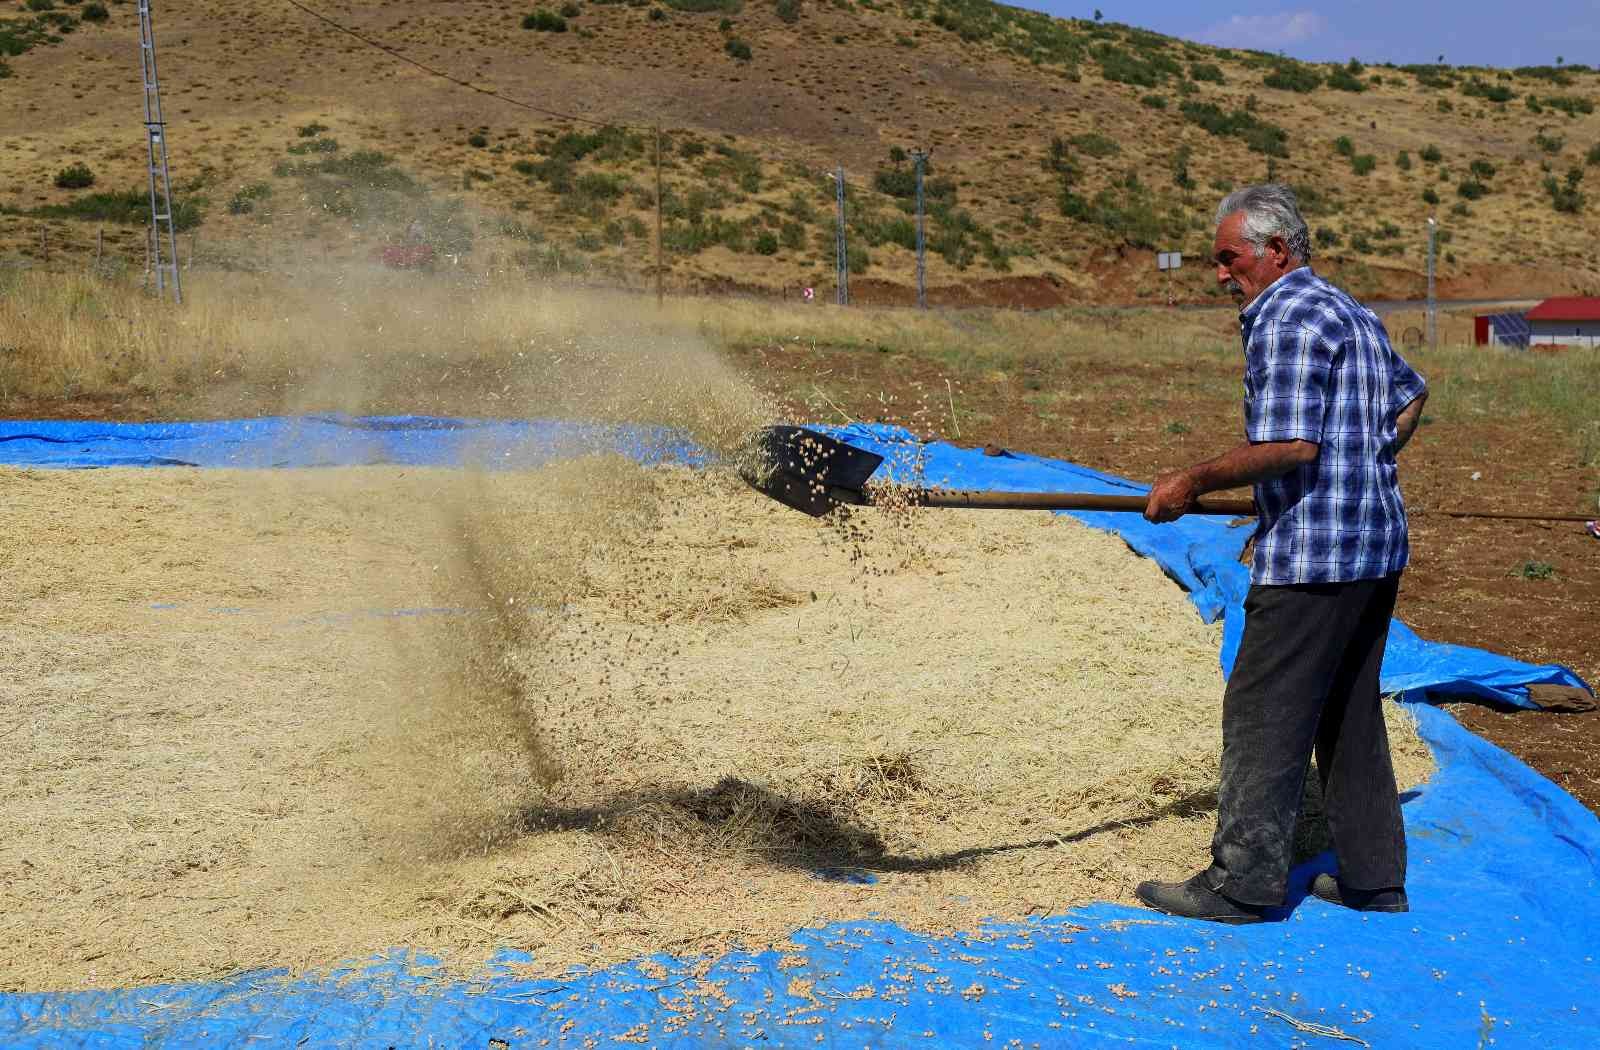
(807, 470)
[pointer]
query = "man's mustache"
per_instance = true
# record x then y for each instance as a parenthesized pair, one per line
(1233, 288)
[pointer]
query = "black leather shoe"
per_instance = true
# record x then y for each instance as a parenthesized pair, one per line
(1195, 899)
(1329, 889)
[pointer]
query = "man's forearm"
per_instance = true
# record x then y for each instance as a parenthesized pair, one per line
(1173, 494)
(1405, 424)
(1249, 463)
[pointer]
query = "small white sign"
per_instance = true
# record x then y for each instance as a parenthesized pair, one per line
(1169, 260)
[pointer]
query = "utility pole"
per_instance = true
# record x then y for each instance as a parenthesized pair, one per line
(841, 251)
(1433, 312)
(920, 159)
(160, 184)
(659, 299)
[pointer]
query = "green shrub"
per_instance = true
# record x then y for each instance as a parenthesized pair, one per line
(310, 131)
(737, 48)
(1154, 101)
(1431, 155)
(1471, 189)
(1554, 74)
(570, 10)
(1344, 147)
(1145, 69)
(1430, 196)
(1403, 161)
(128, 208)
(1343, 80)
(1431, 76)
(41, 5)
(1565, 196)
(1551, 144)
(1128, 210)
(544, 21)
(788, 11)
(1209, 72)
(1537, 570)
(657, 14)
(1256, 133)
(524, 167)
(244, 201)
(792, 235)
(1593, 156)
(1360, 242)
(767, 243)
(600, 186)
(858, 259)
(1363, 164)
(95, 13)
(725, 25)
(1478, 88)
(1327, 238)
(1095, 144)
(1571, 105)
(477, 140)
(1293, 76)
(1481, 169)
(75, 177)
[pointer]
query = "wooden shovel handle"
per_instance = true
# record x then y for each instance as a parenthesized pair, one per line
(1070, 501)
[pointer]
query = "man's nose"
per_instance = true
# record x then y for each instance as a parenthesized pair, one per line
(1223, 276)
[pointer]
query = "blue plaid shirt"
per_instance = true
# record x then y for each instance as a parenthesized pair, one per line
(1319, 367)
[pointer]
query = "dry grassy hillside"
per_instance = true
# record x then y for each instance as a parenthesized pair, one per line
(1064, 151)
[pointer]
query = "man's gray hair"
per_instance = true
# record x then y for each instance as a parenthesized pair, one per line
(1270, 210)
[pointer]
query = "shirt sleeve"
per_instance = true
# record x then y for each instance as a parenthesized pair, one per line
(1289, 368)
(1408, 385)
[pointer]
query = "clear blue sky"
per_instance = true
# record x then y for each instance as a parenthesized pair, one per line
(1468, 32)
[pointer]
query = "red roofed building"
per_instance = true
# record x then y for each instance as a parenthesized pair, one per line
(1565, 322)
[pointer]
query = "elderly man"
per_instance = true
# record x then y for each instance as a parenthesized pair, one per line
(1328, 405)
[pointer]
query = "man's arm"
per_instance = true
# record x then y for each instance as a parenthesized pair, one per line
(1174, 493)
(1405, 424)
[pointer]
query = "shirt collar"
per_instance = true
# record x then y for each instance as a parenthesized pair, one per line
(1296, 278)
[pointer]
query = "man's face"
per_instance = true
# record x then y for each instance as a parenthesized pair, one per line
(1239, 270)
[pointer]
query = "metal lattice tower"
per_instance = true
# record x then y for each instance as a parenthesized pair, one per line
(160, 184)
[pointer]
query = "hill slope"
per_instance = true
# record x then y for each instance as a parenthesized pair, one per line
(1064, 152)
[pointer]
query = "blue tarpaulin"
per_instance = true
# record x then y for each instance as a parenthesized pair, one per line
(1497, 950)
(328, 441)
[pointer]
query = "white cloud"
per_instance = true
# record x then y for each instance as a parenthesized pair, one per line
(1265, 32)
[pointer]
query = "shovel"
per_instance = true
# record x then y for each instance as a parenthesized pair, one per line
(812, 472)
(815, 473)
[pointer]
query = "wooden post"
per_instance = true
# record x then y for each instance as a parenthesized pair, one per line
(44, 244)
(99, 248)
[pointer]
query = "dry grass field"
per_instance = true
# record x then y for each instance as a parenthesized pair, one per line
(293, 143)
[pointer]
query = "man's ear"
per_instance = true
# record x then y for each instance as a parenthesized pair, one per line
(1279, 249)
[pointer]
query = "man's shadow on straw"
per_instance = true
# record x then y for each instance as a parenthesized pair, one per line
(791, 833)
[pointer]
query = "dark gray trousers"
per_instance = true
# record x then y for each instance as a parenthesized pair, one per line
(1307, 677)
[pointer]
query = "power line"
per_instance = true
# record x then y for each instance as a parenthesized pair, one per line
(442, 75)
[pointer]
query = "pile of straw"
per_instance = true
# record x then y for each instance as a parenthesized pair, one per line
(626, 710)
